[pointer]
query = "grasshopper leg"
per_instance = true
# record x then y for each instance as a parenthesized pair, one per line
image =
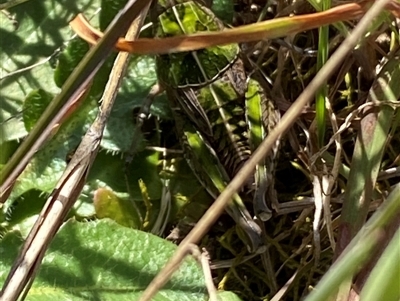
(261, 209)
(212, 175)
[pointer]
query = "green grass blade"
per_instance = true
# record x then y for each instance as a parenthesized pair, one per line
(383, 283)
(368, 151)
(358, 251)
(322, 93)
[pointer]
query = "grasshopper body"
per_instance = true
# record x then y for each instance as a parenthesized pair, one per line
(219, 115)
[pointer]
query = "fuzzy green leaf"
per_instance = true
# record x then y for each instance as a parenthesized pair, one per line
(102, 260)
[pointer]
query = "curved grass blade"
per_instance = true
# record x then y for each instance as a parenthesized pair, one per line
(270, 29)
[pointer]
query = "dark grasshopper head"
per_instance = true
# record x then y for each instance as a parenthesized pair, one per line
(182, 69)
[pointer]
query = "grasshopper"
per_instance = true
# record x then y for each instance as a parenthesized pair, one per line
(221, 116)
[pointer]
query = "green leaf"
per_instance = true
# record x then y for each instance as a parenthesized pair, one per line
(223, 10)
(109, 170)
(228, 296)
(27, 52)
(141, 76)
(102, 260)
(69, 59)
(34, 105)
(108, 205)
(191, 199)
(47, 166)
(24, 207)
